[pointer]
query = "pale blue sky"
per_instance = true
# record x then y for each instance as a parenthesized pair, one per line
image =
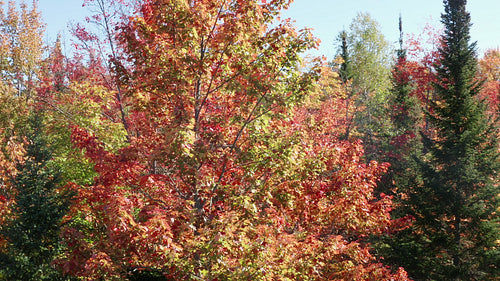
(329, 17)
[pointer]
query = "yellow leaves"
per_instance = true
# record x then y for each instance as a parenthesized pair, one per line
(189, 137)
(12, 106)
(246, 203)
(21, 47)
(11, 152)
(244, 190)
(489, 65)
(93, 109)
(142, 99)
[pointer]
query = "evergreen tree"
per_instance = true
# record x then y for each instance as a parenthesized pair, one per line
(344, 54)
(405, 114)
(456, 232)
(40, 204)
(402, 146)
(344, 70)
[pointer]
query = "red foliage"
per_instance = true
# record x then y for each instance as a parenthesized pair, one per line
(226, 174)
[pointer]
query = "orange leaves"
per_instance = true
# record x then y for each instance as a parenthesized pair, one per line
(489, 69)
(489, 65)
(339, 193)
(328, 206)
(11, 152)
(226, 175)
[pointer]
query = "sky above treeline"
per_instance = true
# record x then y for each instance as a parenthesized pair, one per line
(328, 17)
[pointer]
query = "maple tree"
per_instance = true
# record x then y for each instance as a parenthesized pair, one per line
(489, 70)
(101, 44)
(202, 147)
(65, 98)
(83, 90)
(224, 175)
(92, 97)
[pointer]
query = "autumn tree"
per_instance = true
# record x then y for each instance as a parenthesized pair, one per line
(40, 202)
(99, 40)
(83, 89)
(456, 229)
(225, 175)
(59, 95)
(489, 70)
(21, 62)
(369, 52)
(402, 146)
(368, 68)
(21, 50)
(21, 47)
(350, 105)
(344, 54)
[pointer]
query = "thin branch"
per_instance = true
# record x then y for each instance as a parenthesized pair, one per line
(233, 145)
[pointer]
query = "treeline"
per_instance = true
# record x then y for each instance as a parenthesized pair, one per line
(190, 140)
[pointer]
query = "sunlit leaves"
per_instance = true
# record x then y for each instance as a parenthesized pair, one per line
(21, 47)
(231, 170)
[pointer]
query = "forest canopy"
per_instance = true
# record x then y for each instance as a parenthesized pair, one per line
(195, 140)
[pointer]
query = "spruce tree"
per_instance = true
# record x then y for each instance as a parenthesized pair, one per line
(344, 54)
(39, 206)
(456, 231)
(402, 144)
(344, 70)
(401, 148)
(404, 110)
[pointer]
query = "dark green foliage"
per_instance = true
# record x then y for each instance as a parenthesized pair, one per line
(404, 107)
(455, 196)
(344, 54)
(146, 274)
(400, 248)
(33, 231)
(403, 142)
